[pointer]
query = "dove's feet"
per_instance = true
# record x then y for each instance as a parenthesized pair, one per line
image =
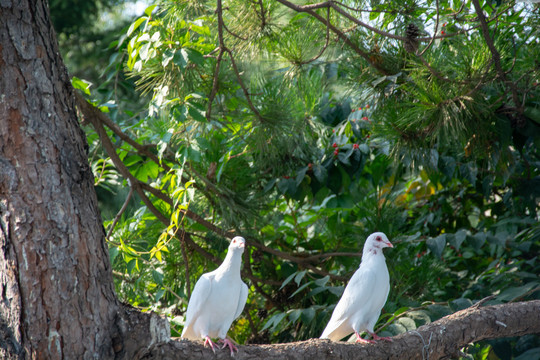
(229, 343)
(359, 339)
(377, 337)
(208, 341)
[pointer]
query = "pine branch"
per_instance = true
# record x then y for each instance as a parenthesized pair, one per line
(496, 56)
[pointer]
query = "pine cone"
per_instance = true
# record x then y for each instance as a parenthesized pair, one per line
(411, 44)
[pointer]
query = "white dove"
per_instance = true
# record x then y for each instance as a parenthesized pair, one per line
(360, 305)
(217, 299)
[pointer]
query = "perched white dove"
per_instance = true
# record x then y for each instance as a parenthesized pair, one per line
(217, 299)
(360, 305)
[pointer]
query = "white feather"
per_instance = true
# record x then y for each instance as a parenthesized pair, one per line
(364, 297)
(218, 297)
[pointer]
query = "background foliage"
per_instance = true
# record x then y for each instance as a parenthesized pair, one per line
(306, 127)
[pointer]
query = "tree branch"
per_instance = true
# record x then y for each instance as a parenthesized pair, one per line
(496, 56)
(309, 10)
(441, 339)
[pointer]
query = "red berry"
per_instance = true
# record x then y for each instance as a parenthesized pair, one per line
(310, 165)
(367, 106)
(336, 152)
(359, 108)
(286, 177)
(444, 24)
(334, 145)
(365, 118)
(355, 146)
(442, 32)
(333, 130)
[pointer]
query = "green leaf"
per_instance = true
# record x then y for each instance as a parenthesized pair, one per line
(148, 11)
(198, 27)
(181, 58)
(299, 276)
(460, 304)
(113, 253)
(469, 171)
(532, 113)
(135, 25)
(168, 55)
(478, 240)
(157, 275)
(288, 280)
(294, 315)
(320, 172)
(132, 264)
(81, 85)
(308, 315)
(436, 245)
(300, 289)
(196, 114)
(322, 281)
(448, 166)
(458, 238)
(517, 292)
(274, 321)
(195, 57)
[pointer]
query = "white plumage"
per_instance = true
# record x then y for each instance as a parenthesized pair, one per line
(360, 305)
(217, 299)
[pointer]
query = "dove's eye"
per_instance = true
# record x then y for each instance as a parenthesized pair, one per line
(378, 238)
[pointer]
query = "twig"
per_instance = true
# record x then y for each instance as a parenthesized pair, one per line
(434, 32)
(309, 10)
(233, 34)
(496, 56)
(122, 209)
(263, 14)
(366, 10)
(243, 86)
(186, 262)
(326, 42)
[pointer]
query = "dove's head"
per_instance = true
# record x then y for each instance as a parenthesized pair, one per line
(375, 243)
(238, 243)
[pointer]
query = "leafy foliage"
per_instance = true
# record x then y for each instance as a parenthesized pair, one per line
(262, 121)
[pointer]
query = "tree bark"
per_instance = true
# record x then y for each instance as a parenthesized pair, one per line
(441, 339)
(56, 287)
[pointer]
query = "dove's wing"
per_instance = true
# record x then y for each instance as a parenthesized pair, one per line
(241, 300)
(200, 294)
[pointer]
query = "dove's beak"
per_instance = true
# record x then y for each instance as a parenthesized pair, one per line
(389, 244)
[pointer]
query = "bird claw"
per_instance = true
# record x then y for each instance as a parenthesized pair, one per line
(377, 337)
(359, 339)
(229, 343)
(374, 336)
(208, 341)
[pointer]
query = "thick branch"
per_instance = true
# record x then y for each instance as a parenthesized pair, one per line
(439, 340)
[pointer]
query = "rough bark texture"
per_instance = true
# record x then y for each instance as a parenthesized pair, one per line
(56, 288)
(441, 339)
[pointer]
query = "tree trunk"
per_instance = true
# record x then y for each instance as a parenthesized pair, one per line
(57, 292)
